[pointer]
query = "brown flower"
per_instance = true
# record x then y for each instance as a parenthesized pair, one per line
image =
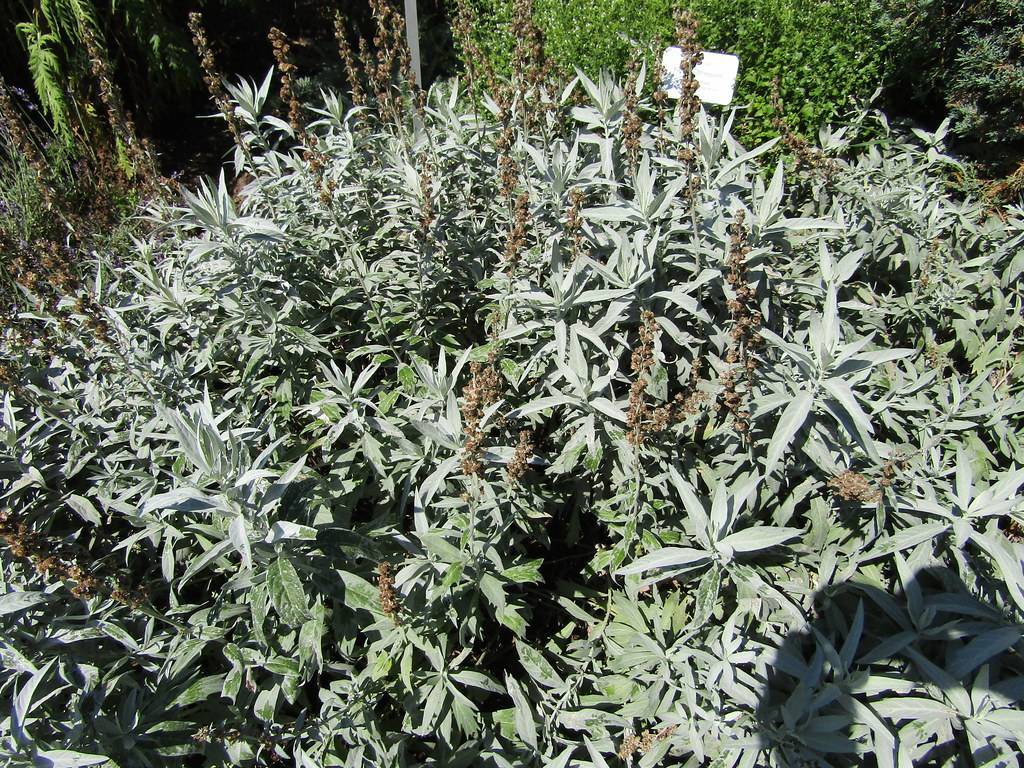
(389, 599)
(853, 486)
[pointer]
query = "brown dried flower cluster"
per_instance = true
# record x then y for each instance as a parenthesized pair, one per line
(389, 599)
(688, 402)
(634, 743)
(44, 268)
(318, 163)
(508, 168)
(889, 469)
(520, 460)
(482, 391)
(516, 243)
(282, 55)
(1014, 531)
(54, 559)
(744, 336)
(853, 486)
(47, 271)
(642, 420)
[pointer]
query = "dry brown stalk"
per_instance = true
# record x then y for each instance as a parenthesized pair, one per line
(574, 222)
(348, 59)
(516, 243)
(688, 105)
(478, 66)
(110, 95)
(282, 55)
(638, 417)
(744, 335)
(532, 69)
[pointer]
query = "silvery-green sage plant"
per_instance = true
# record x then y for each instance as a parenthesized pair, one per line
(456, 437)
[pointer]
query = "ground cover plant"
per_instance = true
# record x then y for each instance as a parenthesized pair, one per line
(521, 423)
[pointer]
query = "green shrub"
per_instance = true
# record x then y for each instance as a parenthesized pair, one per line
(601, 34)
(986, 89)
(450, 442)
(963, 57)
(824, 55)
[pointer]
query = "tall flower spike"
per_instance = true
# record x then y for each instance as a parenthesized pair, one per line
(387, 53)
(520, 461)
(532, 69)
(483, 390)
(389, 598)
(478, 66)
(214, 81)
(516, 242)
(632, 125)
(744, 336)
(688, 105)
(638, 417)
(20, 140)
(574, 222)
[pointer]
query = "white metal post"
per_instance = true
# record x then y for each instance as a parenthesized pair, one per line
(412, 34)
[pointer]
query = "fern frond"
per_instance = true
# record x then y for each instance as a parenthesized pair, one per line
(84, 12)
(47, 76)
(65, 17)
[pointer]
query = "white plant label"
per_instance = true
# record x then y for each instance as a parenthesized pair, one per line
(716, 75)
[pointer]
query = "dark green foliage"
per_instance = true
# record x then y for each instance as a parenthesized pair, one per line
(986, 89)
(966, 58)
(148, 48)
(153, 63)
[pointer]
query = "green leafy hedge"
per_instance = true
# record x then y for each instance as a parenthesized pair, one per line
(823, 54)
(554, 438)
